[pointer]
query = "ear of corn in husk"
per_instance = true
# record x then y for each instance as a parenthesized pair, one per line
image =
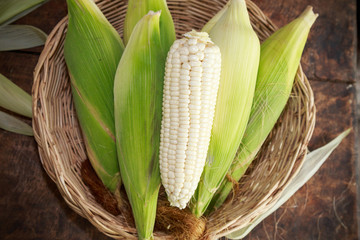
(192, 76)
(13, 98)
(92, 52)
(279, 60)
(240, 52)
(138, 100)
(138, 8)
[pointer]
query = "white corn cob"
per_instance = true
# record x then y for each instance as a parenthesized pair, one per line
(192, 76)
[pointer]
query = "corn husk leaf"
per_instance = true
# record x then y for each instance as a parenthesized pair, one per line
(313, 162)
(240, 53)
(138, 8)
(211, 23)
(92, 52)
(12, 124)
(11, 10)
(279, 61)
(14, 37)
(138, 100)
(13, 98)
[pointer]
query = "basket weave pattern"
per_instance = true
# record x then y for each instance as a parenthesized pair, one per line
(62, 150)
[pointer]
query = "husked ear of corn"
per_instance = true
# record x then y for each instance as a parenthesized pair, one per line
(138, 8)
(192, 76)
(279, 60)
(240, 53)
(92, 52)
(138, 99)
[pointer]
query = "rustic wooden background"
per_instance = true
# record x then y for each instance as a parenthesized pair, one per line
(325, 208)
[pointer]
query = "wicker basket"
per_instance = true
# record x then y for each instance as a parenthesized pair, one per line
(61, 145)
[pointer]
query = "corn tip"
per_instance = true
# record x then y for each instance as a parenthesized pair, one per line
(202, 36)
(309, 15)
(152, 13)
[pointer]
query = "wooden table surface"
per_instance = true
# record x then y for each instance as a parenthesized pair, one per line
(325, 208)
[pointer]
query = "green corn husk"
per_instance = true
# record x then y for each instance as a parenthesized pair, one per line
(12, 124)
(11, 10)
(210, 24)
(240, 53)
(138, 8)
(92, 52)
(15, 37)
(279, 60)
(13, 98)
(138, 109)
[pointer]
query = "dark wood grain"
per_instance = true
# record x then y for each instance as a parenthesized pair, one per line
(325, 208)
(331, 49)
(19, 67)
(31, 207)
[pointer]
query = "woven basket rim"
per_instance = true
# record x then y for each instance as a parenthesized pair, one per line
(51, 151)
